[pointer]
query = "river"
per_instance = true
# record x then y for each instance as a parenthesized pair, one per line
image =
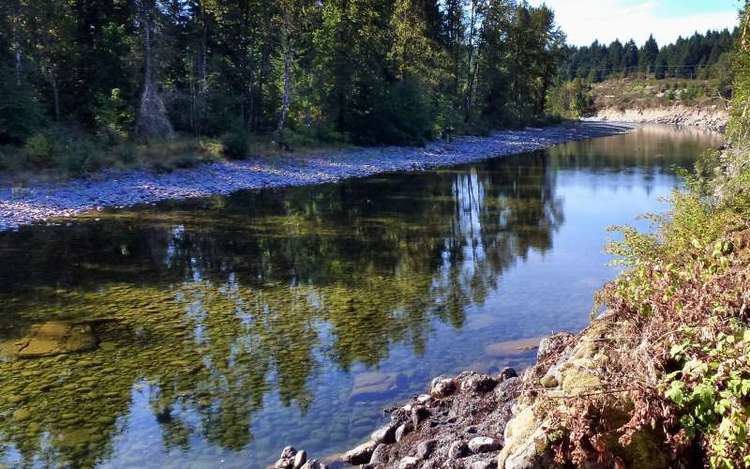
(223, 329)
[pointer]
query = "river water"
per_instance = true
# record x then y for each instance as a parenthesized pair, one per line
(226, 328)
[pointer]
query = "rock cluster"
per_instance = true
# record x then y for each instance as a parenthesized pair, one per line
(292, 459)
(458, 424)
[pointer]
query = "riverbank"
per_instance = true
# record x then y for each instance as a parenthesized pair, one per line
(711, 118)
(659, 379)
(53, 201)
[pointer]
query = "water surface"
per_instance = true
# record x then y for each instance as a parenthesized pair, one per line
(229, 327)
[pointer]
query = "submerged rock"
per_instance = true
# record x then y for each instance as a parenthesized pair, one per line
(375, 385)
(512, 347)
(54, 338)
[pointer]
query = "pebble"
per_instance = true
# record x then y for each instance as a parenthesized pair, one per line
(113, 188)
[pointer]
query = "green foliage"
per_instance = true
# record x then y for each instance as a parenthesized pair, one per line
(712, 388)
(739, 123)
(403, 116)
(569, 100)
(62, 149)
(20, 111)
(700, 55)
(236, 141)
(113, 117)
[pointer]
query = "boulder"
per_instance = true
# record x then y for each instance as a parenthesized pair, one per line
(418, 414)
(402, 430)
(553, 343)
(507, 373)
(386, 434)
(478, 383)
(380, 455)
(443, 387)
(483, 444)
(300, 459)
(483, 465)
(361, 454)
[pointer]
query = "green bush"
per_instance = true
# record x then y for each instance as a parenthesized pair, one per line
(59, 148)
(40, 149)
(236, 141)
(402, 116)
(569, 100)
(113, 117)
(20, 112)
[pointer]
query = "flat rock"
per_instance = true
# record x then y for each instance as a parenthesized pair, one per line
(55, 338)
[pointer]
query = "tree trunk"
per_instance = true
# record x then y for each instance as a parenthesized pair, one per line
(152, 115)
(17, 43)
(286, 96)
(55, 94)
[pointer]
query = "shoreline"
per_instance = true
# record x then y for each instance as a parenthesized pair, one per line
(117, 189)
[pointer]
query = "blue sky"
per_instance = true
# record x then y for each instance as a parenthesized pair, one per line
(607, 20)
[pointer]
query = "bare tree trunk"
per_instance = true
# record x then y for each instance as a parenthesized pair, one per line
(469, 97)
(204, 53)
(286, 97)
(17, 43)
(55, 94)
(152, 115)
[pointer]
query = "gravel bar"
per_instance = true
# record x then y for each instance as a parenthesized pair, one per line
(117, 189)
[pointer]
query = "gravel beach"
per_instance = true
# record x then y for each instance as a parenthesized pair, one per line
(48, 201)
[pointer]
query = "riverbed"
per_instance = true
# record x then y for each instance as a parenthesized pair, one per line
(226, 327)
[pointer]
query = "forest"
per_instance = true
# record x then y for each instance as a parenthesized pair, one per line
(89, 85)
(699, 56)
(360, 71)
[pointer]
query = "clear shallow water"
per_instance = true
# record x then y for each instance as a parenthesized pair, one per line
(230, 327)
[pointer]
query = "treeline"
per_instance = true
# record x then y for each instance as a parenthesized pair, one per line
(699, 56)
(365, 71)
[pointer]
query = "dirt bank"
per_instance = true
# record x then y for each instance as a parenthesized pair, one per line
(712, 118)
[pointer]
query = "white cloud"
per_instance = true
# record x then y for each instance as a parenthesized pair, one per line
(606, 20)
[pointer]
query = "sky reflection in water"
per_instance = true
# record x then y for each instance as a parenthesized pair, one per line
(232, 326)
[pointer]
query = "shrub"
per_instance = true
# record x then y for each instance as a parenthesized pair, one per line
(39, 149)
(402, 116)
(113, 117)
(236, 141)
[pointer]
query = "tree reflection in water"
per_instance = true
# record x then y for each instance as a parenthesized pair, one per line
(213, 305)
